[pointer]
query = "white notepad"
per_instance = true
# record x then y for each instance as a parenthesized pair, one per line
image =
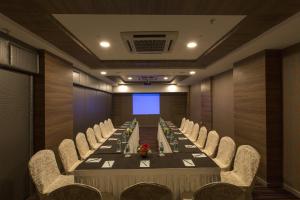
(93, 160)
(177, 133)
(119, 133)
(108, 164)
(182, 138)
(199, 155)
(145, 163)
(188, 162)
(189, 146)
(112, 139)
(105, 147)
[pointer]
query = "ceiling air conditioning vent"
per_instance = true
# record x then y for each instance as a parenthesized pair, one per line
(149, 42)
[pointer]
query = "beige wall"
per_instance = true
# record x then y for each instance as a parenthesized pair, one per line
(291, 116)
(222, 103)
(195, 103)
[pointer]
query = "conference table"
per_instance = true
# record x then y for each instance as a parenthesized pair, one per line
(183, 171)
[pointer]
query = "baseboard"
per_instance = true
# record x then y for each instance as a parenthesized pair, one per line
(261, 181)
(291, 190)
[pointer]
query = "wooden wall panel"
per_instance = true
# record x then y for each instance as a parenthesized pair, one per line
(58, 100)
(206, 103)
(195, 103)
(90, 107)
(258, 110)
(172, 107)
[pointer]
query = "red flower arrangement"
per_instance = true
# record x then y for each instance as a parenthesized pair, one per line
(143, 149)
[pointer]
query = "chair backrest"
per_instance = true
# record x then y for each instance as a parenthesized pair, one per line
(43, 169)
(219, 191)
(82, 145)
(98, 133)
(108, 128)
(189, 128)
(185, 126)
(75, 192)
(147, 191)
(91, 138)
(104, 131)
(226, 151)
(246, 163)
(110, 124)
(212, 143)
(68, 154)
(182, 123)
(202, 137)
(195, 132)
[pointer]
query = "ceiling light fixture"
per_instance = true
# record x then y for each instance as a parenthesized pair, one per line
(191, 45)
(192, 72)
(166, 78)
(103, 73)
(129, 78)
(104, 44)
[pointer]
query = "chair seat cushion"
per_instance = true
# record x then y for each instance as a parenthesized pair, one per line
(74, 166)
(220, 164)
(232, 178)
(61, 180)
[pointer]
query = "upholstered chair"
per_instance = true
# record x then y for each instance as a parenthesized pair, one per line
(226, 152)
(182, 123)
(111, 125)
(82, 146)
(68, 155)
(219, 191)
(75, 192)
(147, 191)
(211, 144)
(91, 138)
(45, 173)
(189, 129)
(245, 167)
(194, 135)
(185, 126)
(104, 131)
(108, 128)
(98, 134)
(200, 143)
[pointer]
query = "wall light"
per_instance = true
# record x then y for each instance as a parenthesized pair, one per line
(172, 88)
(191, 45)
(129, 78)
(166, 78)
(103, 73)
(123, 88)
(192, 72)
(104, 44)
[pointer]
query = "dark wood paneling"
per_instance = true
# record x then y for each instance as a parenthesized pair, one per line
(206, 103)
(90, 107)
(172, 107)
(195, 103)
(260, 16)
(58, 100)
(258, 110)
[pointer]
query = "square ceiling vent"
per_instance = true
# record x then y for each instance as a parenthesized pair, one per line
(148, 42)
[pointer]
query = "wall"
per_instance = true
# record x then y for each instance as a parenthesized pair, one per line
(89, 107)
(222, 104)
(195, 103)
(291, 116)
(159, 88)
(172, 107)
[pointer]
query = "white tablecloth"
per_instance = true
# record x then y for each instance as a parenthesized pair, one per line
(134, 139)
(161, 138)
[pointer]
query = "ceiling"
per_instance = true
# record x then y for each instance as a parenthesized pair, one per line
(59, 23)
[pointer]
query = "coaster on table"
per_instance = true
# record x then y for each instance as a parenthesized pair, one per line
(188, 162)
(112, 139)
(198, 155)
(108, 164)
(105, 147)
(118, 133)
(145, 163)
(190, 146)
(93, 160)
(182, 138)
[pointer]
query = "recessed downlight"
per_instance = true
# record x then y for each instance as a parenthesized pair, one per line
(103, 72)
(166, 78)
(191, 45)
(192, 72)
(104, 44)
(129, 78)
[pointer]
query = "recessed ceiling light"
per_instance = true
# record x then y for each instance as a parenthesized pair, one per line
(103, 72)
(192, 72)
(129, 78)
(191, 45)
(166, 78)
(104, 44)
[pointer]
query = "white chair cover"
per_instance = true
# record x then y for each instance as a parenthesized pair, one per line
(182, 124)
(82, 146)
(189, 128)
(98, 134)
(68, 155)
(226, 152)
(245, 167)
(111, 125)
(185, 126)
(104, 131)
(91, 138)
(108, 128)
(200, 143)
(45, 173)
(194, 135)
(211, 144)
